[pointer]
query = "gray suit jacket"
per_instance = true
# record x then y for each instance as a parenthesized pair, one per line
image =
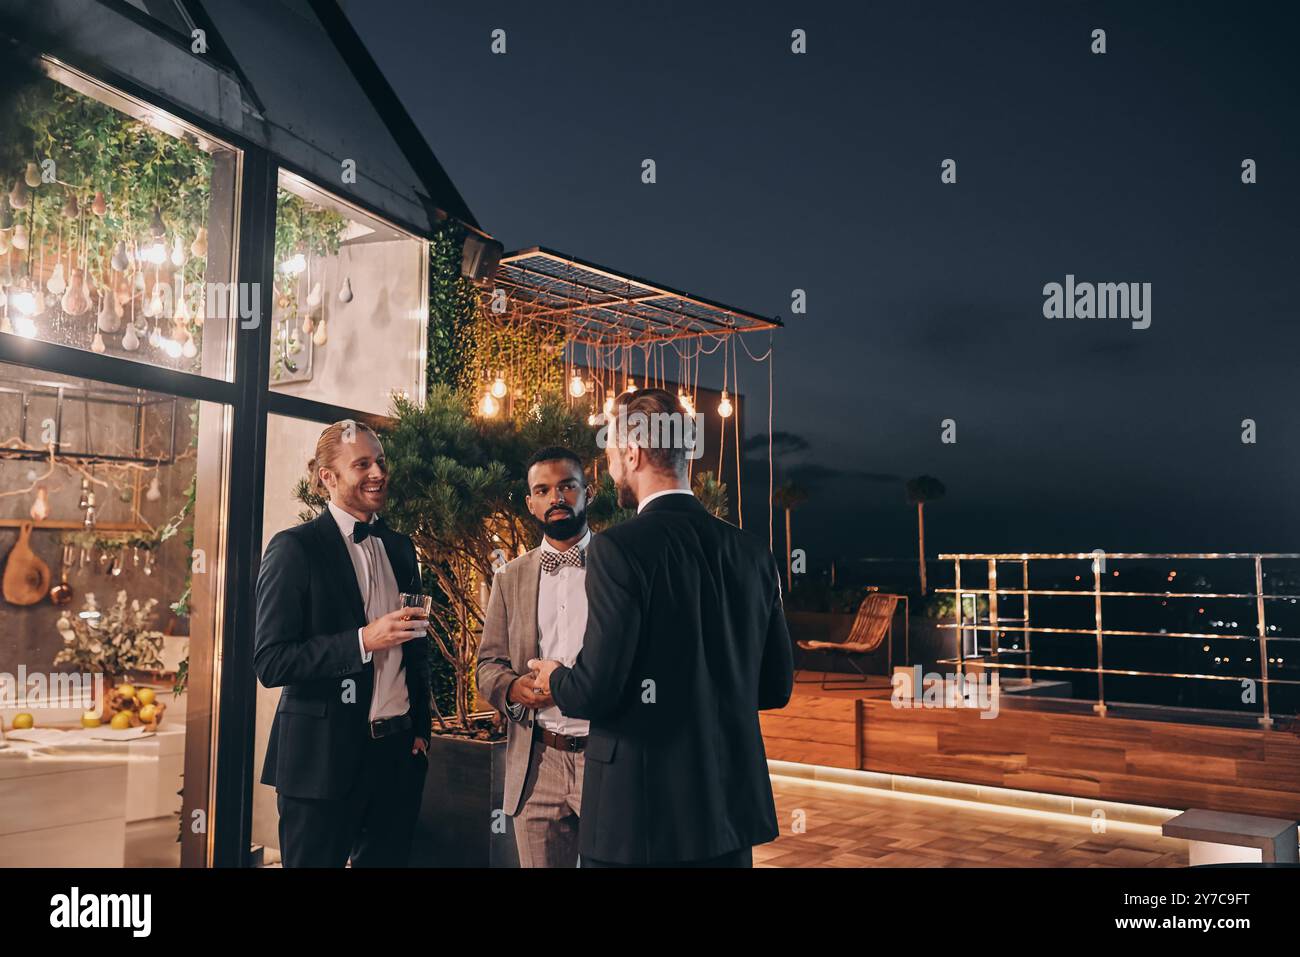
(510, 638)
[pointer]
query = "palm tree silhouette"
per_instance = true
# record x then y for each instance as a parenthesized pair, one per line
(788, 496)
(922, 489)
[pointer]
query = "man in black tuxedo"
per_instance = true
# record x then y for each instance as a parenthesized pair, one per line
(347, 752)
(685, 643)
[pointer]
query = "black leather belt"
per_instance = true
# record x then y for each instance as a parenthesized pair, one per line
(563, 742)
(383, 727)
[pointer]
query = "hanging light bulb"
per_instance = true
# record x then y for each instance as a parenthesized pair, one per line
(189, 350)
(119, 262)
(499, 388)
(154, 493)
(489, 406)
(110, 315)
(40, 507)
(595, 419)
(76, 301)
(199, 248)
(577, 388)
(345, 293)
(157, 229)
(19, 238)
(178, 254)
(156, 306)
(321, 335)
(33, 175)
(22, 301)
(295, 264)
(685, 401)
(130, 339)
(70, 208)
(97, 344)
(155, 253)
(172, 348)
(24, 326)
(631, 385)
(182, 312)
(99, 205)
(314, 296)
(609, 405)
(724, 407)
(19, 195)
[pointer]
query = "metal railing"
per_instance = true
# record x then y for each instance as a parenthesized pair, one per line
(998, 624)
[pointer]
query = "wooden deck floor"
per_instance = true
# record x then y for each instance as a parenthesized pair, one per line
(858, 827)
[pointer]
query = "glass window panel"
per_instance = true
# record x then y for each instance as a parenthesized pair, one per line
(116, 228)
(350, 305)
(119, 538)
(290, 445)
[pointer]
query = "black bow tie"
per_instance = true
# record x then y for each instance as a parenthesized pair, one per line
(363, 530)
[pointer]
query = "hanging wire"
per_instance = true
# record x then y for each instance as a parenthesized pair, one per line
(722, 425)
(770, 489)
(735, 386)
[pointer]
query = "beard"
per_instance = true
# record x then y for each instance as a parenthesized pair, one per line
(356, 500)
(565, 524)
(626, 497)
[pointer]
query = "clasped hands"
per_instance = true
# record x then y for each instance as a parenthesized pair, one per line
(533, 690)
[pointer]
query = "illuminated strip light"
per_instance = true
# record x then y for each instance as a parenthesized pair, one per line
(793, 771)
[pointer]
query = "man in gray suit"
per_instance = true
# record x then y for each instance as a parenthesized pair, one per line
(538, 609)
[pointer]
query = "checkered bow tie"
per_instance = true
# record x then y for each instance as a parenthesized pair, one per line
(551, 561)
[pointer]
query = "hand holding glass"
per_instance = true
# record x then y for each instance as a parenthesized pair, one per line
(417, 608)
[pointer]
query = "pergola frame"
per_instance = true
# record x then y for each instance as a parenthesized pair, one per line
(594, 305)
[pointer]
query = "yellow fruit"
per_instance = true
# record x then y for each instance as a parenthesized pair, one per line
(90, 719)
(126, 691)
(148, 712)
(145, 696)
(23, 721)
(121, 721)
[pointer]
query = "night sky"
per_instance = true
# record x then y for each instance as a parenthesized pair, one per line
(822, 172)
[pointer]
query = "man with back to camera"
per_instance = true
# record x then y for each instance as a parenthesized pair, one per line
(686, 642)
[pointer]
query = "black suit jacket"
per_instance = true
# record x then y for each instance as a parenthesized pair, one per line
(309, 608)
(686, 642)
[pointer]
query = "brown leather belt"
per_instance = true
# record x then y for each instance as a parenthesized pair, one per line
(562, 742)
(383, 727)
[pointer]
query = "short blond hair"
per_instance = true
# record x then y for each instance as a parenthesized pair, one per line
(328, 448)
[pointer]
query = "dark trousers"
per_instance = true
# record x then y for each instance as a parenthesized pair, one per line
(744, 857)
(373, 825)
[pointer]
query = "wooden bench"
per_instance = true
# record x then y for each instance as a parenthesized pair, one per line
(1215, 837)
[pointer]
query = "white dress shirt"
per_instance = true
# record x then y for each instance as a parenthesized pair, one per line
(561, 622)
(660, 494)
(381, 595)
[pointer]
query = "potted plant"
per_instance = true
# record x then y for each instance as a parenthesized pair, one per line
(116, 641)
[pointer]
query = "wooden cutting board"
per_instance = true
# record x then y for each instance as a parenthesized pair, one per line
(26, 578)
